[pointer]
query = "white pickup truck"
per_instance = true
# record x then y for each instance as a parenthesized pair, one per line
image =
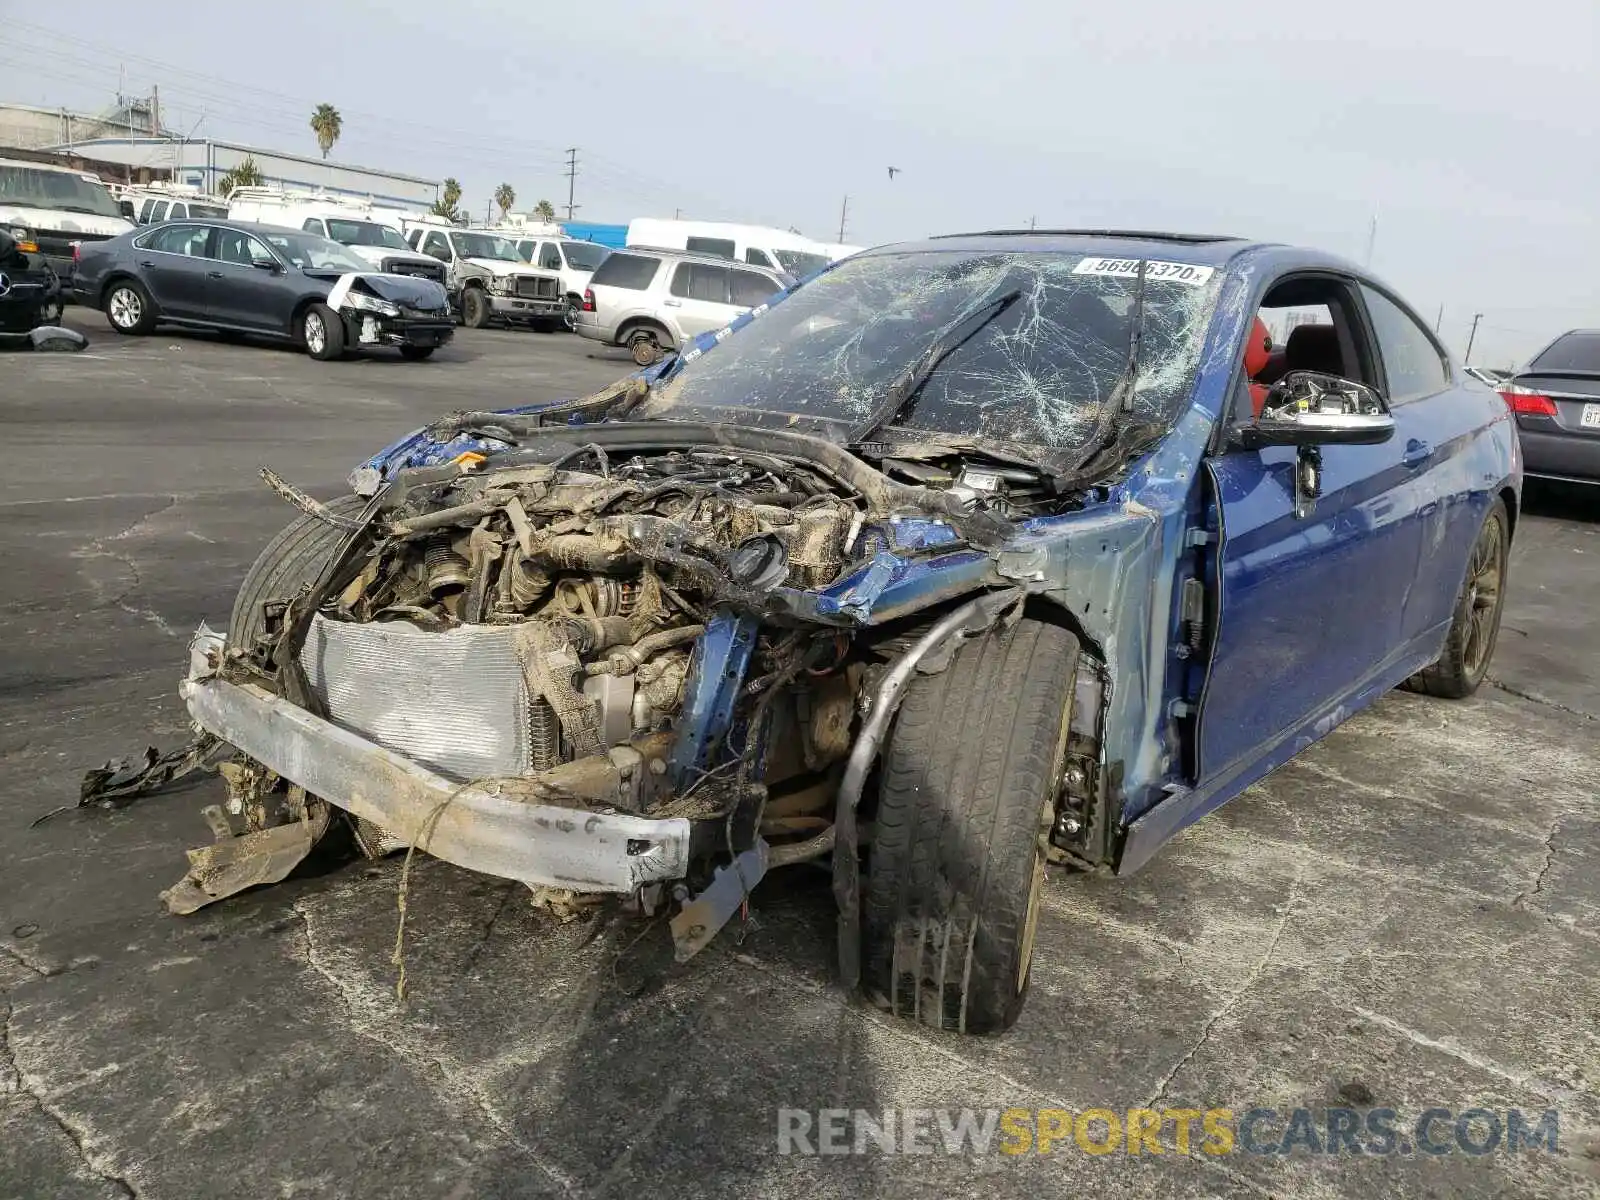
(488, 279)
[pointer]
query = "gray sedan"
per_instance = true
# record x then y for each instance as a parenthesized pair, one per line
(240, 277)
(1556, 399)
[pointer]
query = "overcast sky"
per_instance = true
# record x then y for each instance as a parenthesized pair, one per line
(1468, 129)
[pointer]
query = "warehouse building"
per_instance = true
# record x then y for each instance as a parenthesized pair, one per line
(201, 163)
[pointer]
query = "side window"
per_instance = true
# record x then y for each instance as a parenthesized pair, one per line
(312, 225)
(1411, 359)
(749, 289)
(759, 258)
(721, 247)
(178, 210)
(145, 210)
(550, 256)
(189, 240)
(159, 212)
(240, 248)
(438, 246)
(695, 281)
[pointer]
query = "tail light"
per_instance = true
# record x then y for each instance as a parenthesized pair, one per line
(77, 252)
(588, 299)
(1528, 403)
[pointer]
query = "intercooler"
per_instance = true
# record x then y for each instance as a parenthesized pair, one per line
(455, 701)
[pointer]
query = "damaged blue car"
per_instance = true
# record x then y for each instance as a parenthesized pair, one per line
(964, 557)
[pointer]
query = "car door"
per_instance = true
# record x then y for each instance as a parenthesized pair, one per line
(698, 298)
(1309, 597)
(248, 286)
(172, 265)
(1437, 422)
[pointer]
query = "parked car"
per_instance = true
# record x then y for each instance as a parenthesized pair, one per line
(354, 224)
(758, 245)
(56, 210)
(653, 301)
(989, 520)
(488, 280)
(242, 277)
(1556, 398)
(574, 261)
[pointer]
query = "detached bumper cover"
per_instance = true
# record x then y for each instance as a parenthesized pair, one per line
(372, 329)
(477, 828)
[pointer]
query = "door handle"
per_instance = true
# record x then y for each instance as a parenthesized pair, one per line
(213, 274)
(1416, 453)
(147, 264)
(672, 304)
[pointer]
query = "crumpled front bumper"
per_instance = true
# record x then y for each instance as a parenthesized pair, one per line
(472, 825)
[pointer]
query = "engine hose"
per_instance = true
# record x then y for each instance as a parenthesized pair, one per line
(630, 658)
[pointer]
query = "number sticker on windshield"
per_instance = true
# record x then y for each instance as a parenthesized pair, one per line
(1155, 271)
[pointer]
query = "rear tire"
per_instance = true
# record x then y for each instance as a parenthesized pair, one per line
(474, 308)
(129, 309)
(1475, 625)
(417, 353)
(322, 332)
(569, 319)
(969, 781)
(291, 561)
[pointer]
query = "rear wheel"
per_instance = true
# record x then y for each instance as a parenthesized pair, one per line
(570, 317)
(322, 332)
(956, 868)
(644, 346)
(474, 308)
(291, 561)
(1475, 625)
(128, 307)
(417, 353)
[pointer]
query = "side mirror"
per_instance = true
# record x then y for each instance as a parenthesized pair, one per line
(265, 264)
(441, 255)
(125, 207)
(1310, 408)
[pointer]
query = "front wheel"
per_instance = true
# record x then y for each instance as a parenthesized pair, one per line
(129, 309)
(417, 353)
(956, 866)
(474, 308)
(1475, 625)
(644, 347)
(322, 332)
(291, 562)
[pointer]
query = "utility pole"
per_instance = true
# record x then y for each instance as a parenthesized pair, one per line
(1032, 221)
(572, 179)
(1372, 237)
(677, 214)
(843, 209)
(1467, 357)
(155, 111)
(1439, 320)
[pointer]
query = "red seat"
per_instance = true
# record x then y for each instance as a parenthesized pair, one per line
(1257, 354)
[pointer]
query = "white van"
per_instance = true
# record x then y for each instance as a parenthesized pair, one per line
(55, 208)
(775, 249)
(350, 222)
(153, 203)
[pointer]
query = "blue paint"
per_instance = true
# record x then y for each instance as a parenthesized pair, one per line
(716, 674)
(1311, 618)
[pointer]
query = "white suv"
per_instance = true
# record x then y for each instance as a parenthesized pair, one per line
(574, 261)
(656, 300)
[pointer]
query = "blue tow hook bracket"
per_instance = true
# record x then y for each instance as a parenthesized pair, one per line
(716, 673)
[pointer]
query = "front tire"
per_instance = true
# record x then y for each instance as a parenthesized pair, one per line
(956, 867)
(291, 561)
(322, 332)
(1475, 624)
(644, 347)
(129, 309)
(474, 308)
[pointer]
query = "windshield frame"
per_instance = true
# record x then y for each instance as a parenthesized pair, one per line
(457, 236)
(83, 183)
(1164, 385)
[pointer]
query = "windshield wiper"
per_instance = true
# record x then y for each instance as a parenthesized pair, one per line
(899, 394)
(1120, 402)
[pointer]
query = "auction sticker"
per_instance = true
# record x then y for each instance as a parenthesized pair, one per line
(1155, 271)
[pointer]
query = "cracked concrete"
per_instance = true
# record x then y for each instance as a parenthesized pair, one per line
(1407, 911)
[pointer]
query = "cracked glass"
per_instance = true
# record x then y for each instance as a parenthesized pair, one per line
(1038, 374)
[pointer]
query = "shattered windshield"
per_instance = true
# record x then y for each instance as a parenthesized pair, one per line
(1035, 375)
(799, 263)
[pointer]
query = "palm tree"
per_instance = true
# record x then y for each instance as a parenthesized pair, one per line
(545, 211)
(445, 206)
(327, 125)
(505, 196)
(245, 174)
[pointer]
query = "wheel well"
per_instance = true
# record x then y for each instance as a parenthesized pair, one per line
(300, 311)
(115, 278)
(1510, 497)
(641, 324)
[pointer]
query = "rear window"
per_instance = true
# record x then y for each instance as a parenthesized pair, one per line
(721, 247)
(631, 271)
(1578, 351)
